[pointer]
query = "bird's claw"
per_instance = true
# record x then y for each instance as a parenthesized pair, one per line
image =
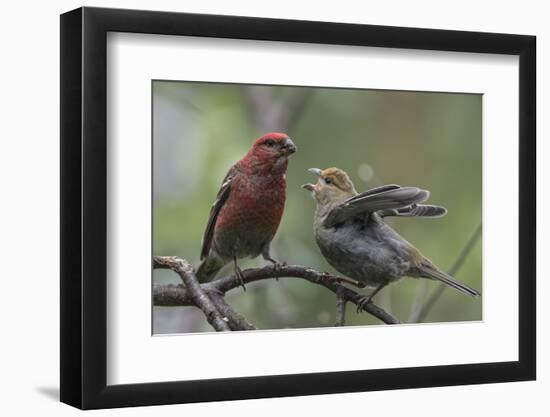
(240, 277)
(363, 301)
(358, 284)
(340, 280)
(277, 268)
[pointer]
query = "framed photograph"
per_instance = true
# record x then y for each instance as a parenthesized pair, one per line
(257, 208)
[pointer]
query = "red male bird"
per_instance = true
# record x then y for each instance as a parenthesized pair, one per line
(248, 208)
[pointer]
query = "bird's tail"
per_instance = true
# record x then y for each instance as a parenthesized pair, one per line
(208, 268)
(430, 271)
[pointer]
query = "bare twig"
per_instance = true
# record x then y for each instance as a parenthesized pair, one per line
(175, 295)
(236, 320)
(171, 295)
(420, 314)
(196, 292)
(340, 308)
(331, 282)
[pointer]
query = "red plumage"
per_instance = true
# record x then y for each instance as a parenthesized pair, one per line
(249, 206)
(253, 205)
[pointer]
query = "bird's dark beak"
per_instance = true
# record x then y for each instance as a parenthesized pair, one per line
(288, 147)
(308, 187)
(316, 171)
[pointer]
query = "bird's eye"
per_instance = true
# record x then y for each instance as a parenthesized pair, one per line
(270, 142)
(328, 181)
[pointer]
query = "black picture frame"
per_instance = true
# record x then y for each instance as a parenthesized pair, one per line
(84, 207)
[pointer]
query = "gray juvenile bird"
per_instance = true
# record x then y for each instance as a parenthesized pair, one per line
(353, 237)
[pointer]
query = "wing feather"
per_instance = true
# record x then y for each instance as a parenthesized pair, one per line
(221, 198)
(415, 210)
(377, 190)
(382, 198)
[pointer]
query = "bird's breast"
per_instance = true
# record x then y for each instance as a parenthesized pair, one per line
(254, 204)
(361, 253)
(250, 217)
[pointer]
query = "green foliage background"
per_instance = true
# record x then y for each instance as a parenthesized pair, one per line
(430, 140)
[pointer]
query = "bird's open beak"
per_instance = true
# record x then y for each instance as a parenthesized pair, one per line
(288, 147)
(316, 171)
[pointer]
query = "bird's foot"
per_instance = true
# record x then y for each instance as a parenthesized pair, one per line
(277, 266)
(240, 277)
(363, 301)
(339, 280)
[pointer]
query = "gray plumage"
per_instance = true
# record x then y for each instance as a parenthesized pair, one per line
(351, 233)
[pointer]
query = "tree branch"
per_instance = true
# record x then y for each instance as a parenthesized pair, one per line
(331, 282)
(196, 292)
(236, 320)
(170, 295)
(340, 309)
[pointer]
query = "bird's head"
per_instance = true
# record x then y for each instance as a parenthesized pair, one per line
(271, 151)
(333, 186)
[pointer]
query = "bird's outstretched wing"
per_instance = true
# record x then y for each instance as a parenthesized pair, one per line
(415, 210)
(378, 190)
(221, 198)
(387, 197)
